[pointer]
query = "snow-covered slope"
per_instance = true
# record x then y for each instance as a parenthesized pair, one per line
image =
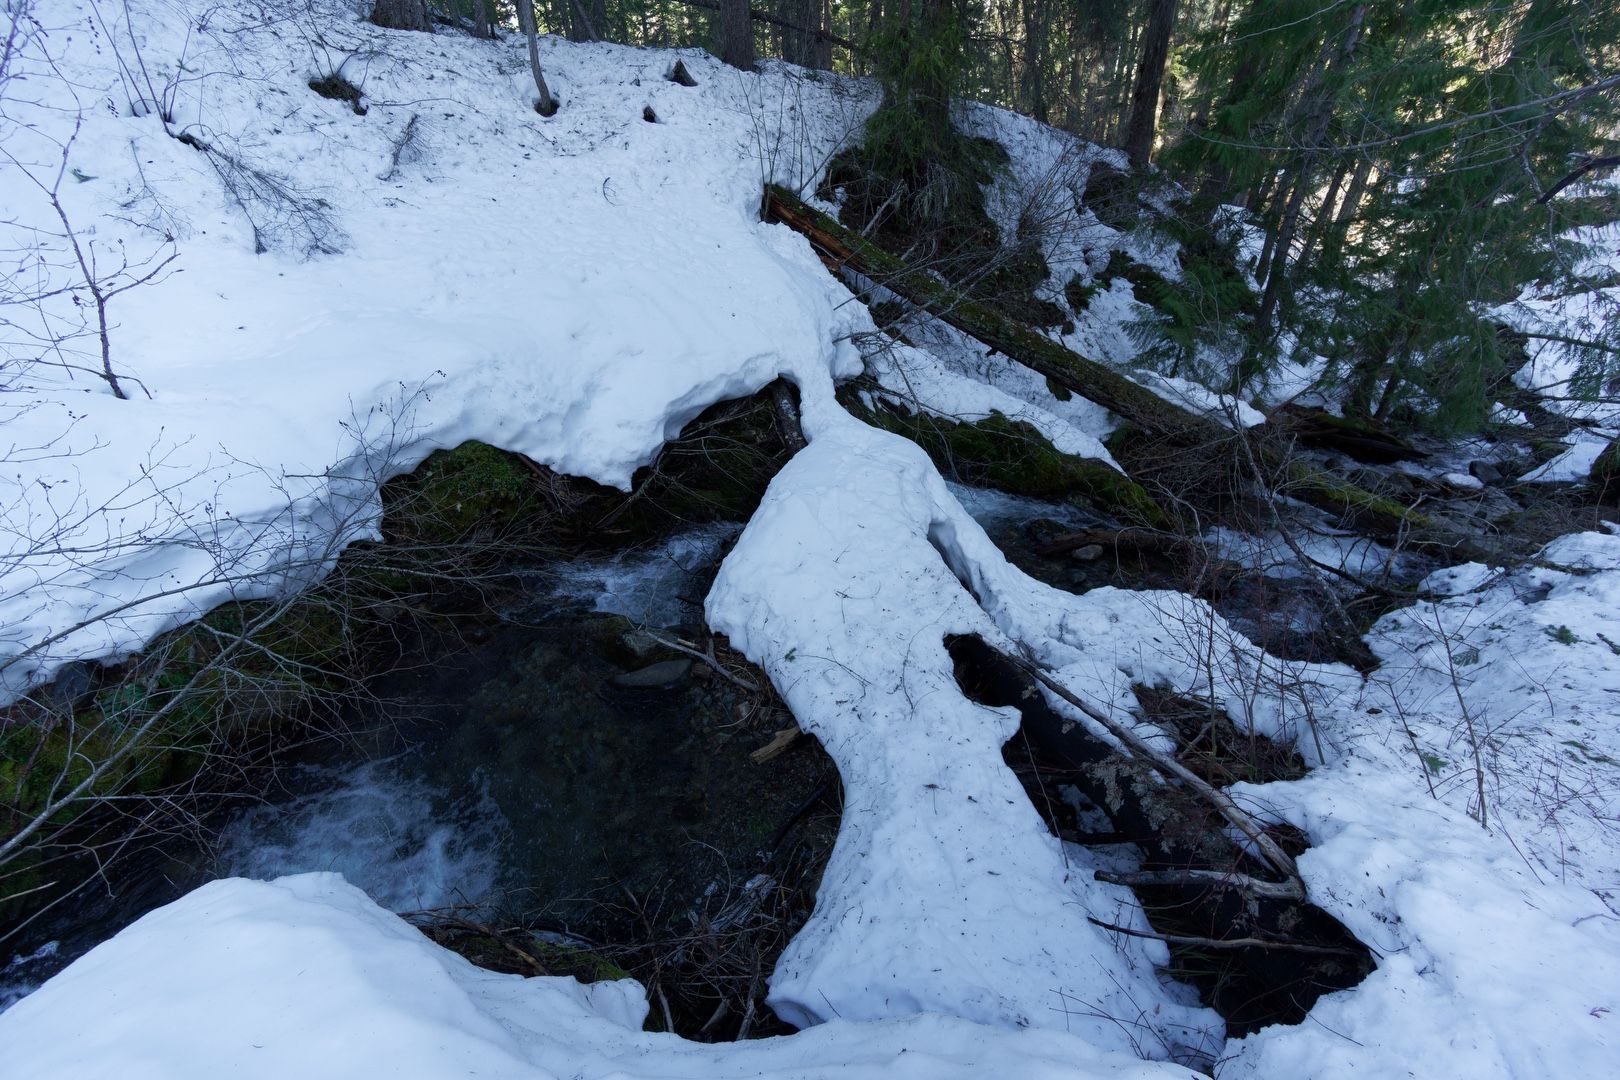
(576, 289)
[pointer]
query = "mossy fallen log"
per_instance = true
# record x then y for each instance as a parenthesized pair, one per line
(1012, 456)
(1090, 379)
(1357, 438)
(1151, 415)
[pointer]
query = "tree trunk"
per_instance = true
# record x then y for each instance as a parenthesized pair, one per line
(1196, 864)
(483, 26)
(1037, 18)
(736, 35)
(827, 39)
(583, 24)
(402, 15)
(800, 39)
(547, 105)
(821, 45)
(1322, 116)
(1334, 241)
(1144, 120)
(1326, 211)
(933, 92)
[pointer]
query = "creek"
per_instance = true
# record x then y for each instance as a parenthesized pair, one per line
(503, 774)
(544, 762)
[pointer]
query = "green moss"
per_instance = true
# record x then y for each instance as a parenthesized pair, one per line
(193, 698)
(1376, 512)
(1012, 456)
(458, 493)
(581, 964)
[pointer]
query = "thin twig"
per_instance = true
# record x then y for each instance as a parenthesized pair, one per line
(1221, 943)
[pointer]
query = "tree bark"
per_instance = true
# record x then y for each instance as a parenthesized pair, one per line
(736, 35)
(1037, 18)
(402, 15)
(1333, 242)
(1327, 210)
(1144, 120)
(583, 25)
(483, 26)
(769, 19)
(547, 105)
(799, 41)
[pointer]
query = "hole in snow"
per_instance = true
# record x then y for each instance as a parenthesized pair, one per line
(1131, 822)
(1215, 747)
(942, 537)
(679, 74)
(335, 87)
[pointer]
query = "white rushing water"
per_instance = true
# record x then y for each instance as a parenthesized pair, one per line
(404, 843)
(998, 509)
(646, 585)
(21, 974)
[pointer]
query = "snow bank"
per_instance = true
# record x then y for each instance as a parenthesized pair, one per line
(1499, 946)
(306, 977)
(1528, 660)
(1574, 465)
(574, 289)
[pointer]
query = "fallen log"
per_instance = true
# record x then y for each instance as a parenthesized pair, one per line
(785, 400)
(1091, 379)
(1176, 830)
(1356, 438)
(1121, 541)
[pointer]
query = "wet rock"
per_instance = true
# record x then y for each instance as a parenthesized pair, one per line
(1485, 472)
(1040, 530)
(641, 645)
(72, 685)
(1089, 553)
(665, 675)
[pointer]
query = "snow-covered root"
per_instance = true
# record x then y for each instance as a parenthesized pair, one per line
(945, 892)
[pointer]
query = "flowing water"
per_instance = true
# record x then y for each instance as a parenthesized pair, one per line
(508, 773)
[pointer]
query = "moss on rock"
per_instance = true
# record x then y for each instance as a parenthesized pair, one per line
(1012, 456)
(456, 494)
